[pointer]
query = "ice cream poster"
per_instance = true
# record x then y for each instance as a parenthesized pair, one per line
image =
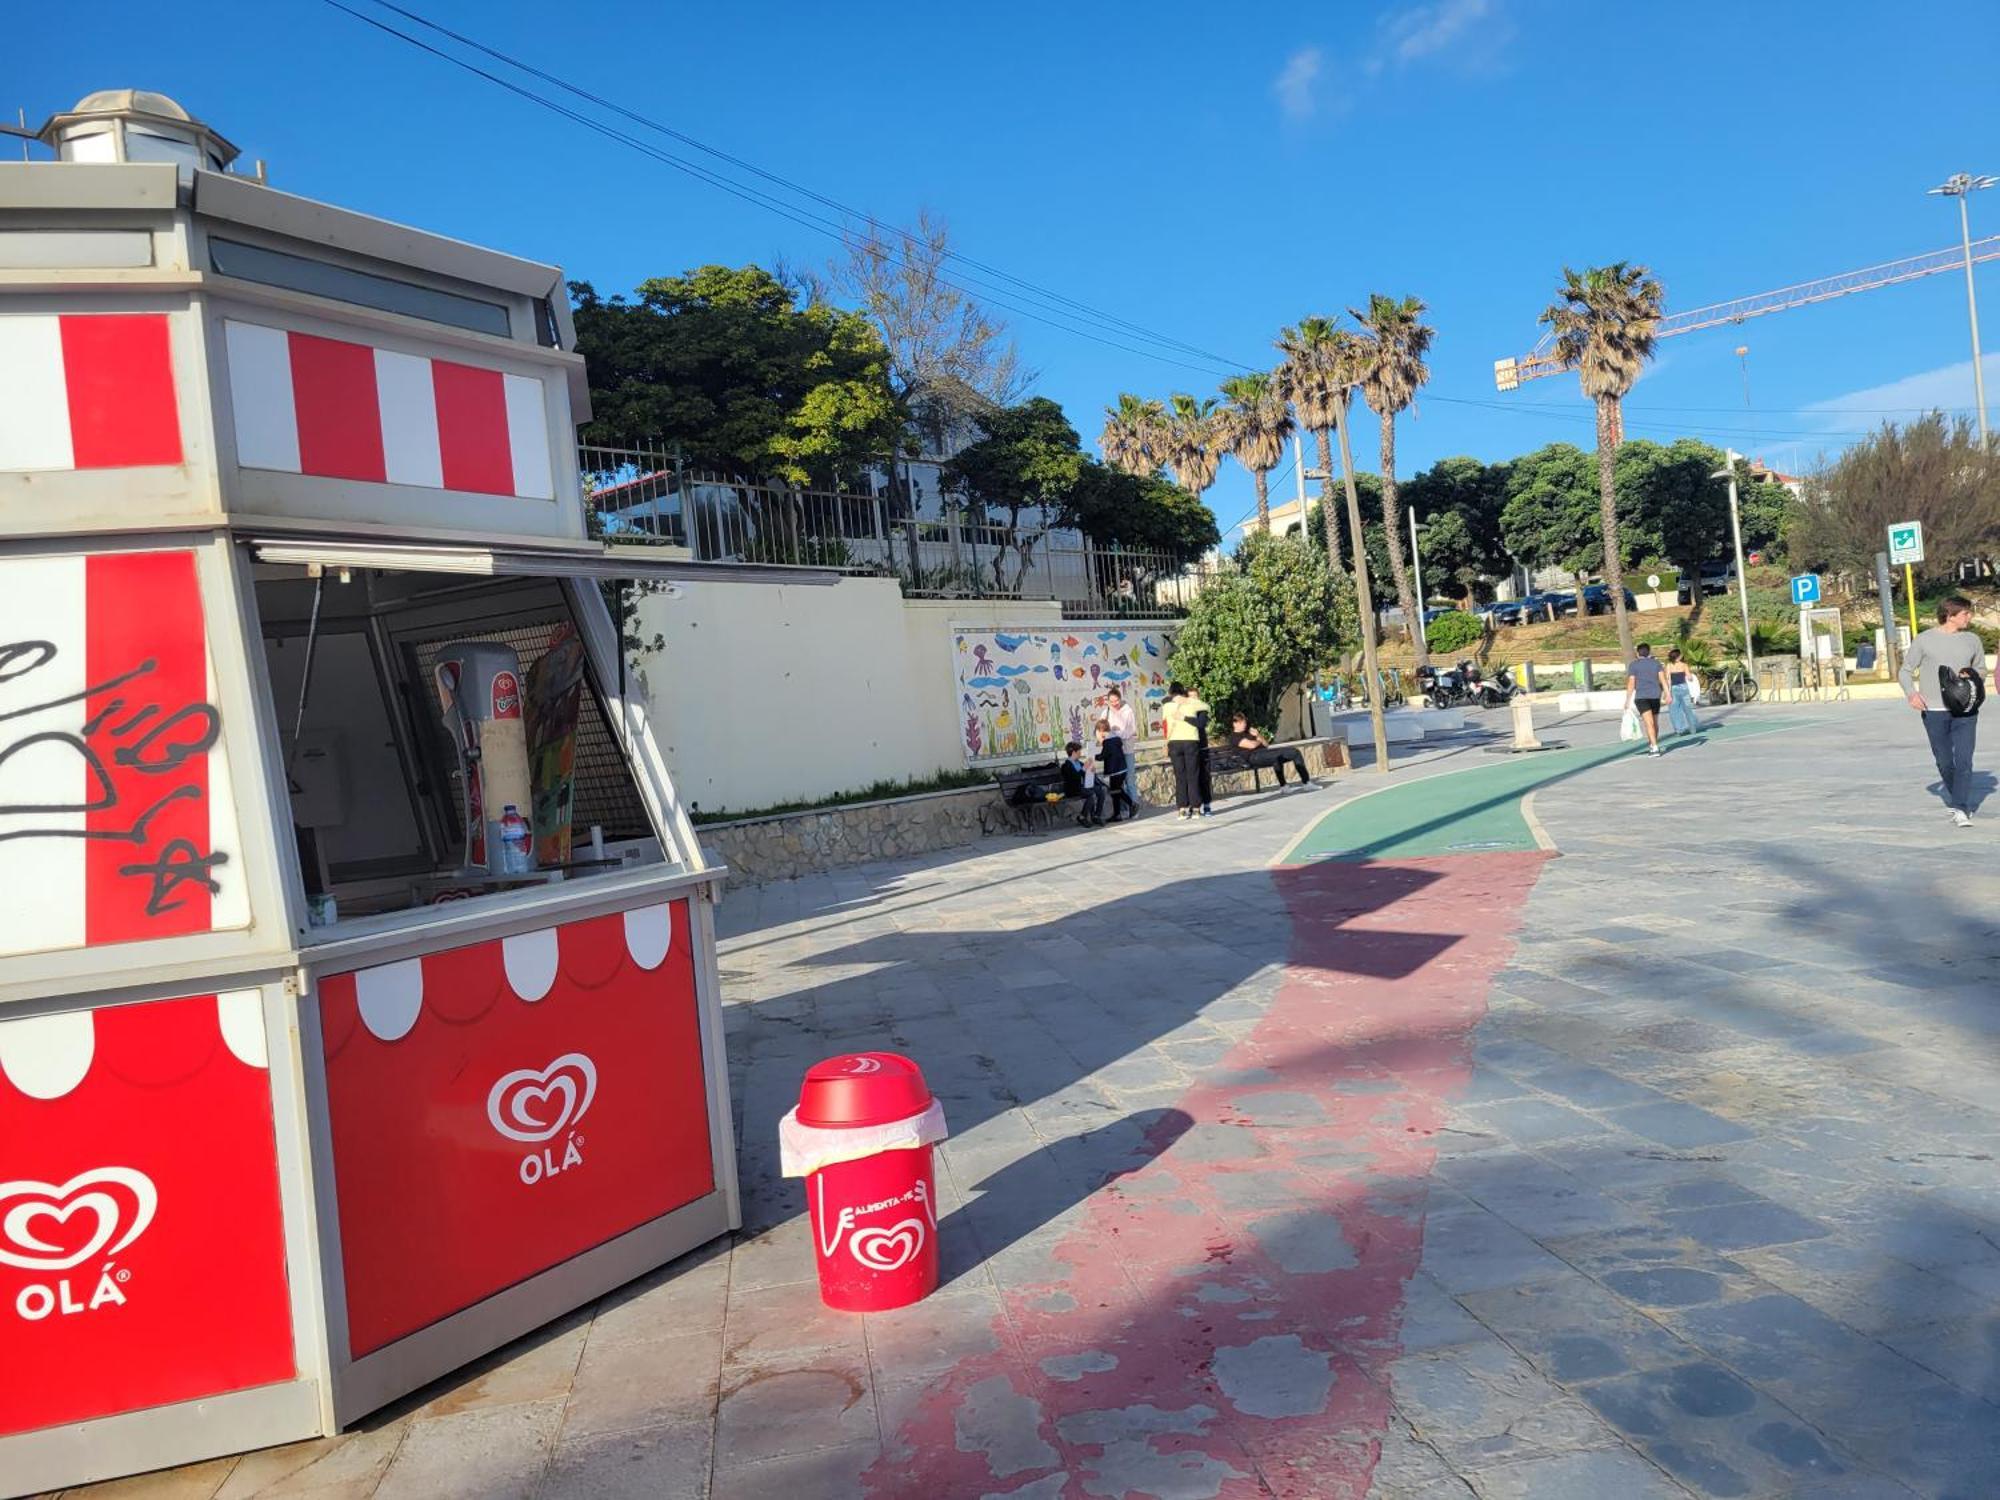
(1026, 693)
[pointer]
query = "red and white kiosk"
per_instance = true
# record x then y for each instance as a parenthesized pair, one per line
(321, 1073)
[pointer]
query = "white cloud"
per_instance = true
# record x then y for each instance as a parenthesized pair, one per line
(1421, 31)
(1947, 389)
(1297, 84)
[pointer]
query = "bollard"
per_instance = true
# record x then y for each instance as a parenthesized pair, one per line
(861, 1136)
(1524, 726)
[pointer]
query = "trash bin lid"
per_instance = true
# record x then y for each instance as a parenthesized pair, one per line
(862, 1088)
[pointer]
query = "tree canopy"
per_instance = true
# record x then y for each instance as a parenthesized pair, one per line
(1931, 470)
(1550, 517)
(1263, 626)
(740, 372)
(1458, 502)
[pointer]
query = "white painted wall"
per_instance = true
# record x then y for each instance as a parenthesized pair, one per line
(768, 693)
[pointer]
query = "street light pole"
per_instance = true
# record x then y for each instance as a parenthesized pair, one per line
(1363, 596)
(1742, 580)
(1962, 185)
(1417, 565)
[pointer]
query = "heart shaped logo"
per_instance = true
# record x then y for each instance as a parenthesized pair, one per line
(45, 1227)
(533, 1104)
(888, 1249)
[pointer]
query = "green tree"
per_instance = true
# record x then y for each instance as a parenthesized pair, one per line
(742, 375)
(1254, 425)
(1025, 466)
(1396, 339)
(1606, 320)
(1931, 470)
(1550, 518)
(1113, 507)
(1671, 505)
(1768, 510)
(1459, 501)
(1262, 627)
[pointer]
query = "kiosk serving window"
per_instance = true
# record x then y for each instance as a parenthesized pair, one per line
(446, 736)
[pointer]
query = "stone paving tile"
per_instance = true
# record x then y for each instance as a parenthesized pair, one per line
(491, 1453)
(1574, 1330)
(1597, 1475)
(668, 1462)
(1482, 1404)
(792, 1410)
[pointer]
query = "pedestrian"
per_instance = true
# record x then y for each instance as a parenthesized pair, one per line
(1643, 692)
(1684, 691)
(1260, 754)
(1944, 676)
(1124, 723)
(1114, 771)
(1186, 718)
(1080, 781)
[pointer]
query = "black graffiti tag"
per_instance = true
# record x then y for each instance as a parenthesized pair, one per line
(149, 745)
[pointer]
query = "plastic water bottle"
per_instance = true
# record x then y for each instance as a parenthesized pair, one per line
(517, 854)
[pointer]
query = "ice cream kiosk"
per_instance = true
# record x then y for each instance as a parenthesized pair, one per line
(358, 1005)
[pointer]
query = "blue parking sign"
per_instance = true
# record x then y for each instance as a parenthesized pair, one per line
(1805, 589)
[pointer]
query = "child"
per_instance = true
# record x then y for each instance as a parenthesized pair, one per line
(1117, 773)
(1080, 781)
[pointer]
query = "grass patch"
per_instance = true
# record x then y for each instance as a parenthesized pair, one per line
(942, 781)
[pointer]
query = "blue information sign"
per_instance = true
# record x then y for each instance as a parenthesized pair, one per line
(1805, 589)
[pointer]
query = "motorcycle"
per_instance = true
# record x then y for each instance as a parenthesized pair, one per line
(1452, 688)
(1498, 690)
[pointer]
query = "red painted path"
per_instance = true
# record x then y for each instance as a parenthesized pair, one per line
(1223, 1323)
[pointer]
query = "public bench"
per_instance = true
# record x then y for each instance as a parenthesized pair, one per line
(1025, 804)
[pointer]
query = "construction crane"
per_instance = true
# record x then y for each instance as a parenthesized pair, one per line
(1541, 360)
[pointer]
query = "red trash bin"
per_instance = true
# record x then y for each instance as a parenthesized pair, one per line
(861, 1136)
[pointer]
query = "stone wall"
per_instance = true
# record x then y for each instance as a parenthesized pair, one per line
(1156, 777)
(788, 845)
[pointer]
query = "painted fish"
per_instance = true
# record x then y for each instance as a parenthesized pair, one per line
(1010, 642)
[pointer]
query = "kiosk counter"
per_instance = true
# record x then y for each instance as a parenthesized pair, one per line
(358, 1001)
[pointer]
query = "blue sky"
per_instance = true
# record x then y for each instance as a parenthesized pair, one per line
(1208, 173)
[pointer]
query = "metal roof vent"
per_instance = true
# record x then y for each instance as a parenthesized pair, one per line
(137, 126)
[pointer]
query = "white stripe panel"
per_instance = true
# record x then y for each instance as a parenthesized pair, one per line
(408, 398)
(229, 908)
(42, 877)
(528, 438)
(260, 396)
(34, 414)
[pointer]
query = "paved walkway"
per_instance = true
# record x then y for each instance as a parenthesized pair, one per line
(1414, 1168)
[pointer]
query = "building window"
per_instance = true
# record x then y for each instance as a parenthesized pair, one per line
(296, 273)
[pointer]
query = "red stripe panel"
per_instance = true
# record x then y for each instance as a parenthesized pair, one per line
(147, 856)
(120, 376)
(472, 428)
(340, 421)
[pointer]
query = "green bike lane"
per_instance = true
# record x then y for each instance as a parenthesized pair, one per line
(1479, 810)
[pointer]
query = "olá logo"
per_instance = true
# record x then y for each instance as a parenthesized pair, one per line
(535, 1105)
(56, 1227)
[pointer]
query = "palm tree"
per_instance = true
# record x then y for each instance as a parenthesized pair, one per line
(1193, 442)
(1307, 379)
(1606, 320)
(1134, 436)
(1397, 339)
(1323, 364)
(1255, 424)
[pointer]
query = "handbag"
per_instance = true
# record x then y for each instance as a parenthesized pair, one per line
(1963, 691)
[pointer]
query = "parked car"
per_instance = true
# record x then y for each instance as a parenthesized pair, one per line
(1715, 577)
(1597, 599)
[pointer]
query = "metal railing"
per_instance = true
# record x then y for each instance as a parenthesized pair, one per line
(647, 496)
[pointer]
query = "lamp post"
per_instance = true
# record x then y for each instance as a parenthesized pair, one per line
(1730, 455)
(1962, 185)
(1417, 564)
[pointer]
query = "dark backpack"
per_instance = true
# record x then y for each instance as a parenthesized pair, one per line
(1963, 691)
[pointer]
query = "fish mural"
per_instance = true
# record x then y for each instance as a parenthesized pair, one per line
(1023, 692)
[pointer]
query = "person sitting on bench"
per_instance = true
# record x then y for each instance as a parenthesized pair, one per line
(1080, 781)
(1260, 754)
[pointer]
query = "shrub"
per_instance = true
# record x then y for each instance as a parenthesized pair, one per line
(1453, 631)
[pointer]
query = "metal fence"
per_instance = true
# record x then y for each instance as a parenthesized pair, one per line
(645, 496)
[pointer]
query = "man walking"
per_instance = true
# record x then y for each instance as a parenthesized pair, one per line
(1944, 675)
(1643, 692)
